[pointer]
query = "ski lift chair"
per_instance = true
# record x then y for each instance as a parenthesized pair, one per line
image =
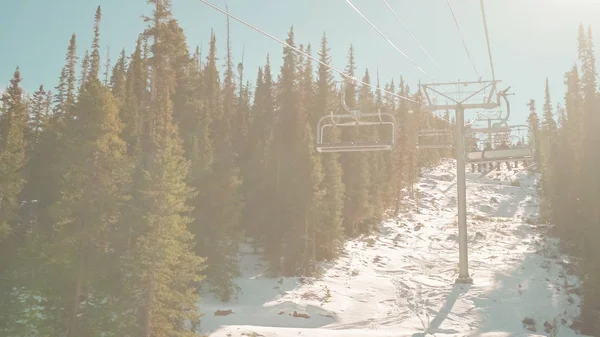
(515, 153)
(349, 120)
(355, 118)
(430, 138)
(435, 139)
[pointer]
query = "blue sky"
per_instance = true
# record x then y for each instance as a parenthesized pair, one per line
(530, 39)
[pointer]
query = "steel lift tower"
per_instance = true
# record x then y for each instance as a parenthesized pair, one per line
(461, 96)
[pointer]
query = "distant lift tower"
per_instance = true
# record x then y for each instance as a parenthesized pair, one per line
(460, 96)
(506, 142)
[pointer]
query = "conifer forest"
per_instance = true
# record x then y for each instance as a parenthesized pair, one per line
(127, 189)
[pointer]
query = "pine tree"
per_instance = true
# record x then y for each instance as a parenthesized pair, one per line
(400, 157)
(260, 208)
(65, 90)
(330, 232)
(96, 173)
(22, 251)
(118, 78)
(39, 112)
(309, 172)
(85, 68)
(534, 127)
(218, 228)
(13, 129)
(375, 159)
(132, 110)
(590, 189)
(107, 67)
(355, 167)
(95, 55)
(572, 145)
(253, 184)
(241, 121)
(413, 124)
(70, 72)
(289, 133)
(164, 268)
(13, 147)
(548, 150)
(384, 182)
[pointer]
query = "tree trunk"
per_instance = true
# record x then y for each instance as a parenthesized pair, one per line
(72, 330)
(147, 310)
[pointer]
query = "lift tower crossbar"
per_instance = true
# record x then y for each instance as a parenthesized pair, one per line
(466, 95)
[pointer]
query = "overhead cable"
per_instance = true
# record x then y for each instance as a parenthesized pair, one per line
(413, 37)
(389, 41)
(462, 38)
(487, 39)
(305, 54)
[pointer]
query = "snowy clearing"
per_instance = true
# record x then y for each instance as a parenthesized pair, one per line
(401, 281)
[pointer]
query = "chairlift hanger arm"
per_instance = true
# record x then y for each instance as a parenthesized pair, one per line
(502, 95)
(354, 112)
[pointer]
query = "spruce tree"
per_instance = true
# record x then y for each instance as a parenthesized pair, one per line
(13, 130)
(95, 55)
(85, 68)
(165, 272)
(309, 172)
(218, 228)
(413, 124)
(289, 134)
(548, 150)
(64, 99)
(96, 175)
(590, 189)
(132, 110)
(13, 149)
(385, 183)
(367, 103)
(241, 120)
(329, 231)
(118, 79)
(534, 130)
(572, 143)
(70, 92)
(355, 167)
(260, 207)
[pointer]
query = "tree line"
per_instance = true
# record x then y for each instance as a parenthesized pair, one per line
(128, 188)
(566, 138)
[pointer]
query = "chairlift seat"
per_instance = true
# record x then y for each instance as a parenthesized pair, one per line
(489, 156)
(355, 147)
(435, 139)
(351, 120)
(492, 130)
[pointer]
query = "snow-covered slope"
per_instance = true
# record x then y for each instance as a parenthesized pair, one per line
(400, 282)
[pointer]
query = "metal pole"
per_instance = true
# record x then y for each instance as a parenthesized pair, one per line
(461, 187)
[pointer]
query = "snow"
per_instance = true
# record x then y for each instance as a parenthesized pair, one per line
(400, 282)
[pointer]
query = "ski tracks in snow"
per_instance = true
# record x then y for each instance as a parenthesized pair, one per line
(403, 278)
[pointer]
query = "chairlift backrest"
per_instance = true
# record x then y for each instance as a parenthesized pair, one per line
(355, 118)
(433, 138)
(506, 145)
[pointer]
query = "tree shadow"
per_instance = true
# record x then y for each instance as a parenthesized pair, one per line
(260, 303)
(534, 290)
(508, 208)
